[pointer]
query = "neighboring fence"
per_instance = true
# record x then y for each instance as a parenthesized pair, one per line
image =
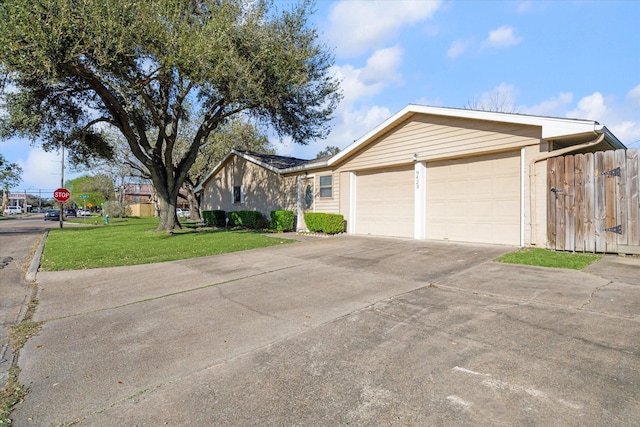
(593, 203)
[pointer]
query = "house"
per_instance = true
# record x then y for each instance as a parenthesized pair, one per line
(425, 173)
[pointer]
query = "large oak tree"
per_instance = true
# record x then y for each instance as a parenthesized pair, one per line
(147, 67)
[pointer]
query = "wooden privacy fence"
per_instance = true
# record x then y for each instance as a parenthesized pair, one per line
(593, 203)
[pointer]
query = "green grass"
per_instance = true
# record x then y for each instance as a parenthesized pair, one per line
(547, 258)
(134, 241)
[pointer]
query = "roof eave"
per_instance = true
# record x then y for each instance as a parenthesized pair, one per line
(306, 167)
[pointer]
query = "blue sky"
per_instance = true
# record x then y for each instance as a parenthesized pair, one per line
(577, 59)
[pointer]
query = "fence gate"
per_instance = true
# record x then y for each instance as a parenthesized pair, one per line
(593, 203)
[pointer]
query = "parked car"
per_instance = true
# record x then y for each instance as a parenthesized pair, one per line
(13, 210)
(83, 212)
(70, 212)
(183, 213)
(52, 215)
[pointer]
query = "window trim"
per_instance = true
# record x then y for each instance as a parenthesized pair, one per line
(325, 187)
(233, 195)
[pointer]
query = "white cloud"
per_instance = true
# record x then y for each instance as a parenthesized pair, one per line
(502, 37)
(554, 107)
(348, 126)
(458, 47)
(383, 66)
(525, 6)
(621, 119)
(380, 71)
(633, 96)
(41, 170)
(590, 107)
(357, 26)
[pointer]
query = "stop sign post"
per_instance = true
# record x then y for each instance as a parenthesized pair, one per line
(61, 195)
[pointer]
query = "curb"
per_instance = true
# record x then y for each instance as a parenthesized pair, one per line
(30, 277)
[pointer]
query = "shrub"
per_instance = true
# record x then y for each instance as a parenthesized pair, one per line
(282, 220)
(115, 209)
(324, 222)
(249, 219)
(214, 218)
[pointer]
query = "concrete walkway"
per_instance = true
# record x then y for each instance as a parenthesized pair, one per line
(337, 331)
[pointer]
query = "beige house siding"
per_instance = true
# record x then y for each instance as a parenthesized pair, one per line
(434, 137)
(327, 204)
(263, 190)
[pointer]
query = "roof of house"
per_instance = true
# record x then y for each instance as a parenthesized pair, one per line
(552, 127)
(272, 162)
(277, 162)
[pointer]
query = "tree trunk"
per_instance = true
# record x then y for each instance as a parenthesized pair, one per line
(194, 206)
(167, 201)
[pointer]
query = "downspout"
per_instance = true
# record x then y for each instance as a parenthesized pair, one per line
(532, 178)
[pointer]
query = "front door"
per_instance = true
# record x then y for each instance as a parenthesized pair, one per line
(307, 199)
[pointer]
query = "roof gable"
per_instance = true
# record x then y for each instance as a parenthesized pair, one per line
(551, 127)
(272, 162)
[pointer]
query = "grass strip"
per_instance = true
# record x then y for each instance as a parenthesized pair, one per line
(134, 241)
(12, 393)
(547, 258)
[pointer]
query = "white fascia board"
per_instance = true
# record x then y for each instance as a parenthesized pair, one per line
(305, 167)
(552, 127)
(615, 142)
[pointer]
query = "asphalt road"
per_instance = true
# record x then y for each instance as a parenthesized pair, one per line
(337, 331)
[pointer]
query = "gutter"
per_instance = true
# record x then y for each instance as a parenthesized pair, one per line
(532, 177)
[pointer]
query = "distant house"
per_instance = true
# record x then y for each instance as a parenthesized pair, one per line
(138, 193)
(425, 173)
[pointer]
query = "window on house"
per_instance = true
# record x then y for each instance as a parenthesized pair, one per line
(238, 196)
(326, 187)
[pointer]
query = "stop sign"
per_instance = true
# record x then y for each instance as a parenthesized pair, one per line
(61, 195)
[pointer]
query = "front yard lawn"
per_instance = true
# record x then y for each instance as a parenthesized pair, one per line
(134, 241)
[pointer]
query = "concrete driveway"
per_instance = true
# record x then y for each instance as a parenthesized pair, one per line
(336, 331)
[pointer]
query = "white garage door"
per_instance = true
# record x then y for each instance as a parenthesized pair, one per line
(384, 202)
(475, 199)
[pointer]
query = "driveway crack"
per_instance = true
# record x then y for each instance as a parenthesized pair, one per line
(595, 291)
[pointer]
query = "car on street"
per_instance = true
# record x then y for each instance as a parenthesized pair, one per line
(83, 212)
(13, 210)
(70, 212)
(52, 215)
(183, 213)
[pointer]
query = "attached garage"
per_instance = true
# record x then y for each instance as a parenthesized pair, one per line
(384, 202)
(475, 199)
(458, 175)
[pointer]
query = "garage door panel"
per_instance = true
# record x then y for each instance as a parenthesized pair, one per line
(475, 199)
(384, 201)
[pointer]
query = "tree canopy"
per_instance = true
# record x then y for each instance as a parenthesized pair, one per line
(146, 67)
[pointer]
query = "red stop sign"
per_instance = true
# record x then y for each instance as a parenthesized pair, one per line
(61, 195)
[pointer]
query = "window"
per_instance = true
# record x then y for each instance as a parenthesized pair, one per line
(326, 189)
(238, 195)
(308, 197)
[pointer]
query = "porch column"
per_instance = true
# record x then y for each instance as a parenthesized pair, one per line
(300, 213)
(420, 178)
